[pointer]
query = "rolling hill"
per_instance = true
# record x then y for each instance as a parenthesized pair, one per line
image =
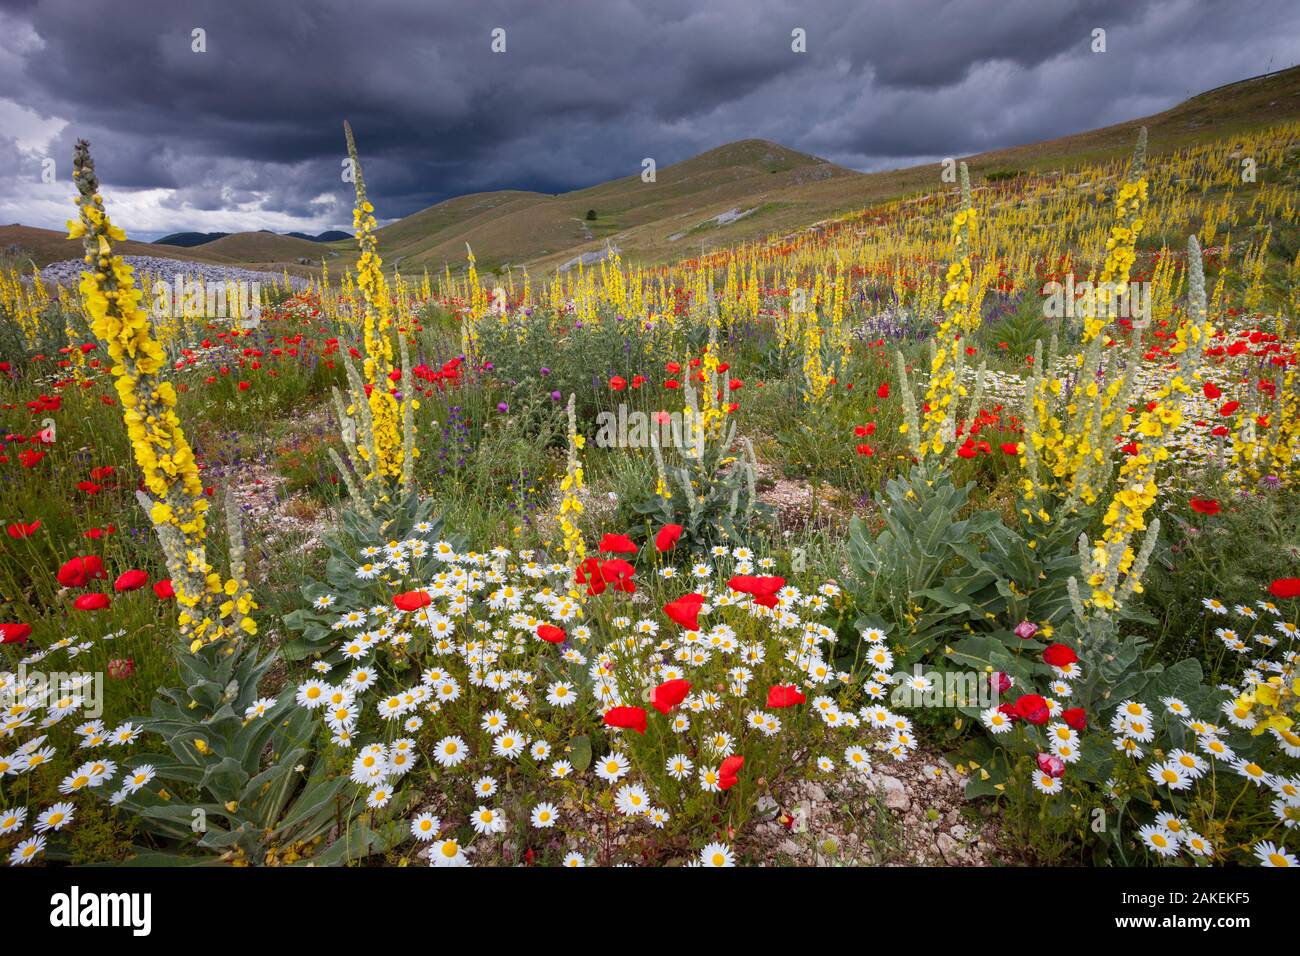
(770, 189)
(189, 240)
(739, 192)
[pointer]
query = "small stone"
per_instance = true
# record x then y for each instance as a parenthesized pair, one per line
(949, 849)
(895, 794)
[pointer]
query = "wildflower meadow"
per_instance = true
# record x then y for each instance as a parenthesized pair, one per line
(957, 529)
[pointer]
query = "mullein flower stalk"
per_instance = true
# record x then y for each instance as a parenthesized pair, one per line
(1072, 445)
(210, 607)
(570, 504)
(961, 314)
(385, 455)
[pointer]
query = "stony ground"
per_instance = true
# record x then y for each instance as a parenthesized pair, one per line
(912, 813)
(68, 271)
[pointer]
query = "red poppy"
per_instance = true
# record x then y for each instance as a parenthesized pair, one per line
(669, 694)
(411, 600)
(667, 536)
(1032, 708)
(588, 573)
(617, 544)
(727, 772)
(19, 530)
(596, 574)
(762, 589)
(883, 391)
(1206, 506)
(15, 633)
(89, 487)
(1285, 588)
(1229, 407)
(685, 610)
(550, 633)
(619, 573)
(31, 458)
(132, 580)
(164, 589)
(92, 602)
(77, 572)
(1010, 448)
(1058, 655)
(865, 450)
(1076, 718)
(618, 383)
(1211, 391)
(784, 696)
(629, 718)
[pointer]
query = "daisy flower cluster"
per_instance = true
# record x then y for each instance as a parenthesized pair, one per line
(36, 706)
(1229, 776)
(545, 712)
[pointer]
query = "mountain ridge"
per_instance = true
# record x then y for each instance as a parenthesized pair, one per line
(738, 192)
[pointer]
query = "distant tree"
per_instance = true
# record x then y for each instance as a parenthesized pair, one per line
(591, 215)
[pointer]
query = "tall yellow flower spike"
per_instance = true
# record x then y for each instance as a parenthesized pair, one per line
(386, 412)
(210, 607)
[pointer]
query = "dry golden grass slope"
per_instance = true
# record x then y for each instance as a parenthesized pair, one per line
(771, 190)
(781, 190)
(44, 246)
(254, 247)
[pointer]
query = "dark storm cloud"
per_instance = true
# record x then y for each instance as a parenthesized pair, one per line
(250, 129)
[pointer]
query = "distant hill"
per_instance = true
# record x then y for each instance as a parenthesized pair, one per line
(752, 189)
(740, 192)
(330, 235)
(188, 240)
(753, 181)
(266, 251)
(44, 246)
(270, 247)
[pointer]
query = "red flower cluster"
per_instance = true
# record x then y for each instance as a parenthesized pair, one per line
(762, 589)
(598, 575)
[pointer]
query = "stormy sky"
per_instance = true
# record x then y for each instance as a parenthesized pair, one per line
(247, 133)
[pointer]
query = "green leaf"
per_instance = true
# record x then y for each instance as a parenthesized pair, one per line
(580, 747)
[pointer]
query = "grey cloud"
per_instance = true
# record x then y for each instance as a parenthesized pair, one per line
(586, 87)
